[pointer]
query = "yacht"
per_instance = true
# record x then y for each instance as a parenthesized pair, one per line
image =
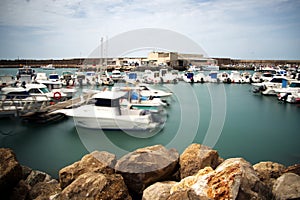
(107, 114)
(269, 87)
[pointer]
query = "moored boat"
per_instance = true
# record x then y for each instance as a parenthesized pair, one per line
(107, 114)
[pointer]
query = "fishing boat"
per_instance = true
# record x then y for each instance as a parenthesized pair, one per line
(107, 114)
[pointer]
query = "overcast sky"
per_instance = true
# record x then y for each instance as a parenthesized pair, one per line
(247, 29)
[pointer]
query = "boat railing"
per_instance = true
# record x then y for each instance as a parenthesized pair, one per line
(19, 105)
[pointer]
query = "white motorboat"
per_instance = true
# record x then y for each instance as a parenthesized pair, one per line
(107, 114)
(102, 78)
(116, 75)
(236, 77)
(223, 77)
(33, 91)
(188, 77)
(26, 93)
(269, 87)
(289, 94)
(210, 68)
(25, 74)
(48, 67)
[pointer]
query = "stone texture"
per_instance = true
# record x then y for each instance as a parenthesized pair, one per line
(20, 192)
(287, 186)
(10, 171)
(268, 172)
(96, 186)
(235, 178)
(100, 162)
(147, 165)
(158, 191)
(293, 169)
(36, 176)
(196, 157)
(44, 190)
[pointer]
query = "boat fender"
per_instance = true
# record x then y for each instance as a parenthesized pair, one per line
(57, 95)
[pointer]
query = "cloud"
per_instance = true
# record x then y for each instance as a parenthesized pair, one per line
(238, 29)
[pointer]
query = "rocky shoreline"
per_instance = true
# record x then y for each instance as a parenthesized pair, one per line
(152, 173)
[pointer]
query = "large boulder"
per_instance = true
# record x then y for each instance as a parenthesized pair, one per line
(196, 157)
(268, 172)
(158, 191)
(287, 186)
(235, 178)
(147, 165)
(96, 186)
(100, 162)
(10, 171)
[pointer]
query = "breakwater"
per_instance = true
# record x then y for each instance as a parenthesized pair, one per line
(152, 172)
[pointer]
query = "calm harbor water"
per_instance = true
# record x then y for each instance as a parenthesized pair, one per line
(229, 118)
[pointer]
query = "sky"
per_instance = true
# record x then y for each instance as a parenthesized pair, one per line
(63, 29)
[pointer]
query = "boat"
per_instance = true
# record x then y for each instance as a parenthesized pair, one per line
(107, 114)
(268, 88)
(33, 92)
(48, 67)
(289, 94)
(67, 78)
(102, 78)
(116, 75)
(210, 68)
(223, 77)
(235, 77)
(90, 78)
(188, 77)
(25, 74)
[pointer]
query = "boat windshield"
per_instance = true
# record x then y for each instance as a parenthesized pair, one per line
(107, 102)
(53, 76)
(44, 90)
(295, 85)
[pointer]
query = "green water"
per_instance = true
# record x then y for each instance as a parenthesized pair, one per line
(229, 118)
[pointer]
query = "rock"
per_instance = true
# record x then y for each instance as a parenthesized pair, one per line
(196, 157)
(268, 172)
(25, 172)
(147, 165)
(287, 186)
(235, 178)
(10, 171)
(293, 169)
(20, 192)
(96, 186)
(37, 176)
(43, 190)
(101, 162)
(158, 191)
